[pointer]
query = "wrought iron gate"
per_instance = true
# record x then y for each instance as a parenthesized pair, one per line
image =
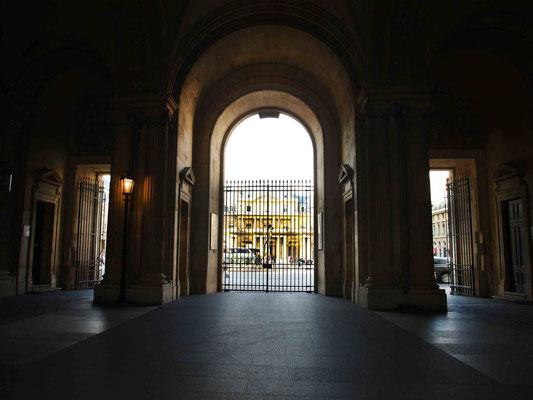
(460, 241)
(268, 236)
(90, 233)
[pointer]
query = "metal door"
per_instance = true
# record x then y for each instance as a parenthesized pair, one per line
(268, 238)
(460, 241)
(90, 233)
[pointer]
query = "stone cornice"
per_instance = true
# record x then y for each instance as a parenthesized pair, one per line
(415, 100)
(144, 107)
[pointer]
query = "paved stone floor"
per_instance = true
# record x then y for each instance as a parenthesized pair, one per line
(266, 346)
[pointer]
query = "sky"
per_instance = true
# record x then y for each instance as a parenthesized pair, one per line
(269, 148)
(438, 186)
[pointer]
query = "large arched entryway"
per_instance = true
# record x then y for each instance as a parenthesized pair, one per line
(275, 69)
(327, 193)
(268, 219)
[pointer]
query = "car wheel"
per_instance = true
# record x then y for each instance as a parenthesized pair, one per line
(445, 277)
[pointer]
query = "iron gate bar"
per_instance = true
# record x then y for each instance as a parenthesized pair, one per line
(460, 238)
(91, 204)
(266, 223)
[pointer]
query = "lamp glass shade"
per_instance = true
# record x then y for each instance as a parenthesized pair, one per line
(127, 185)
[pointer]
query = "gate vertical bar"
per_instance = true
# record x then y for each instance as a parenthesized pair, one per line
(268, 232)
(77, 273)
(471, 240)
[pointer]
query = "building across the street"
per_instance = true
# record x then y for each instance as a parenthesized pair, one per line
(439, 215)
(279, 225)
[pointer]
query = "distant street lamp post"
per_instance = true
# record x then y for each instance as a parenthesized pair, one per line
(127, 183)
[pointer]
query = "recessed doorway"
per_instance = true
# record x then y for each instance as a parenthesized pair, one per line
(90, 225)
(43, 243)
(453, 226)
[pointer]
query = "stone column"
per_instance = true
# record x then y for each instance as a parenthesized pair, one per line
(153, 287)
(108, 290)
(12, 169)
(172, 201)
(378, 290)
(346, 176)
(393, 210)
(421, 287)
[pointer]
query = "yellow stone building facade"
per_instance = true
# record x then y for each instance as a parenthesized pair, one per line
(284, 223)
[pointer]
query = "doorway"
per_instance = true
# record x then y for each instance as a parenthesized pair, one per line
(460, 235)
(453, 197)
(43, 243)
(269, 215)
(439, 179)
(91, 229)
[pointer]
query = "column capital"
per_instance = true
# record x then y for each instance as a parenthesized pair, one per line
(145, 107)
(388, 101)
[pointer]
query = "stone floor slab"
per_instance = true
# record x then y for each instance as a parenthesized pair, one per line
(266, 346)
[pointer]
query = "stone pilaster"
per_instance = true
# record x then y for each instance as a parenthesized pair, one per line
(393, 210)
(108, 290)
(153, 287)
(377, 290)
(421, 287)
(187, 180)
(172, 201)
(360, 183)
(346, 177)
(13, 240)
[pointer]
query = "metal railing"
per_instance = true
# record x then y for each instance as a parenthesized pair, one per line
(90, 233)
(460, 239)
(268, 238)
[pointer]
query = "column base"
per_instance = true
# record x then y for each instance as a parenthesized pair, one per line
(390, 299)
(8, 284)
(176, 291)
(184, 289)
(106, 292)
(347, 290)
(150, 294)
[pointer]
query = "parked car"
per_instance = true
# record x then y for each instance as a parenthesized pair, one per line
(441, 268)
(303, 261)
(241, 255)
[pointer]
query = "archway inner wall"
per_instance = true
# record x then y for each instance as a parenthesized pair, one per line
(257, 59)
(216, 123)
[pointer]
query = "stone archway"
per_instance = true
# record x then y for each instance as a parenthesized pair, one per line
(216, 129)
(264, 67)
(230, 67)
